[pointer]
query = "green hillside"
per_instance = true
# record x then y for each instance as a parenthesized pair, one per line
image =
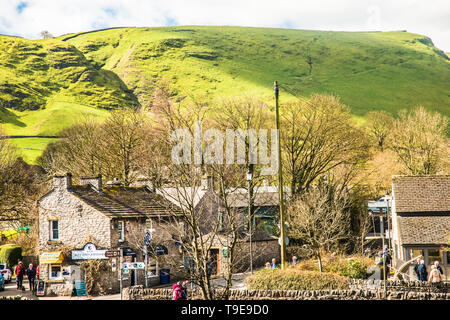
(46, 84)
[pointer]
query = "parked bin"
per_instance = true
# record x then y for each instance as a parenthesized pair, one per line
(164, 276)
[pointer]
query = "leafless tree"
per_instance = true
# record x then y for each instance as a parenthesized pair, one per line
(420, 141)
(380, 126)
(46, 35)
(319, 218)
(317, 136)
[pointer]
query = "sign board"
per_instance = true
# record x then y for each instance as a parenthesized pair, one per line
(147, 238)
(80, 288)
(89, 252)
(134, 265)
(112, 253)
(286, 241)
(40, 288)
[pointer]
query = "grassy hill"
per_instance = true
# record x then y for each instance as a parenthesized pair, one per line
(46, 84)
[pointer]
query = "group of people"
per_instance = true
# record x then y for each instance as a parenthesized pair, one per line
(180, 290)
(274, 264)
(436, 273)
(32, 275)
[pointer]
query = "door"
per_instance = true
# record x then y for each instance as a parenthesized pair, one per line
(214, 258)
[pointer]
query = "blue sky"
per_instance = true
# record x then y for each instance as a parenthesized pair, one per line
(27, 18)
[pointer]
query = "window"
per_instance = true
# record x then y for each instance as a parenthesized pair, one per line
(54, 230)
(149, 225)
(220, 227)
(55, 272)
(448, 257)
(434, 255)
(417, 252)
(121, 229)
(181, 227)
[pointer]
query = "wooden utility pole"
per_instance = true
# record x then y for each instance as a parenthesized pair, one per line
(280, 181)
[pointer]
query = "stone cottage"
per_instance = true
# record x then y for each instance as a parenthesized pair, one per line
(81, 221)
(210, 209)
(421, 219)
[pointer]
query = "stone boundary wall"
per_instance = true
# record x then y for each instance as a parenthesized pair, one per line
(139, 293)
(399, 285)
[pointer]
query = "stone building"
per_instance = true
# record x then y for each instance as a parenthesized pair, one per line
(421, 219)
(210, 208)
(81, 221)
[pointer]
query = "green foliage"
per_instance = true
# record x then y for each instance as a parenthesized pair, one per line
(120, 67)
(354, 269)
(295, 279)
(11, 254)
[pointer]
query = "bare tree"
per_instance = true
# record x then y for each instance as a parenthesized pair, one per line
(380, 126)
(420, 141)
(46, 35)
(319, 218)
(317, 136)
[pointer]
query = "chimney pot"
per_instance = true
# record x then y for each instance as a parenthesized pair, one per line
(95, 182)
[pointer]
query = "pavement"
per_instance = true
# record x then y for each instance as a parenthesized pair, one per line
(11, 290)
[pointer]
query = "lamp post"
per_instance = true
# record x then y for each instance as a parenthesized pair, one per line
(250, 211)
(280, 180)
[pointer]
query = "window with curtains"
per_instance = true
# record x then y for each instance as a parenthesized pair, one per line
(121, 230)
(54, 230)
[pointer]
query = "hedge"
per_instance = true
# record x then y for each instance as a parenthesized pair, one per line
(11, 254)
(293, 279)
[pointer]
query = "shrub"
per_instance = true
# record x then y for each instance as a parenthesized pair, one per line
(11, 254)
(294, 279)
(354, 269)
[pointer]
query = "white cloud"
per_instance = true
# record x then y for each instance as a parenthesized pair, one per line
(431, 18)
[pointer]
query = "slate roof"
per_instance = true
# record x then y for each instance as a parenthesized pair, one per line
(422, 206)
(421, 193)
(119, 201)
(263, 196)
(424, 230)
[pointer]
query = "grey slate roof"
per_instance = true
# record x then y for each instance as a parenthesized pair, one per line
(421, 193)
(424, 230)
(119, 201)
(422, 206)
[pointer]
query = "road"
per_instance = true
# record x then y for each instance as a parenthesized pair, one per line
(10, 289)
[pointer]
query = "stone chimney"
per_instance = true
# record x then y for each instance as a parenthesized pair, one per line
(207, 183)
(143, 182)
(62, 182)
(96, 182)
(115, 182)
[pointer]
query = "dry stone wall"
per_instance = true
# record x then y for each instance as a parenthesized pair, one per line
(140, 293)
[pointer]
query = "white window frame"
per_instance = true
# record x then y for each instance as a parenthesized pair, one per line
(51, 266)
(220, 222)
(121, 230)
(52, 229)
(181, 228)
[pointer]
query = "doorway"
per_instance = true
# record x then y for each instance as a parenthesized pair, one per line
(215, 259)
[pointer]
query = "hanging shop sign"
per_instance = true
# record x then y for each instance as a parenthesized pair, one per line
(133, 265)
(89, 252)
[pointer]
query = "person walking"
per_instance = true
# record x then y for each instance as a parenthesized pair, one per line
(438, 267)
(416, 266)
(184, 293)
(19, 271)
(294, 261)
(31, 275)
(274, 264)
(435, 275)
(177, 291)
(422, 271)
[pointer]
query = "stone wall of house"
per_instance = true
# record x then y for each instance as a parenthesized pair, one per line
(78, 222)
(139, 293)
